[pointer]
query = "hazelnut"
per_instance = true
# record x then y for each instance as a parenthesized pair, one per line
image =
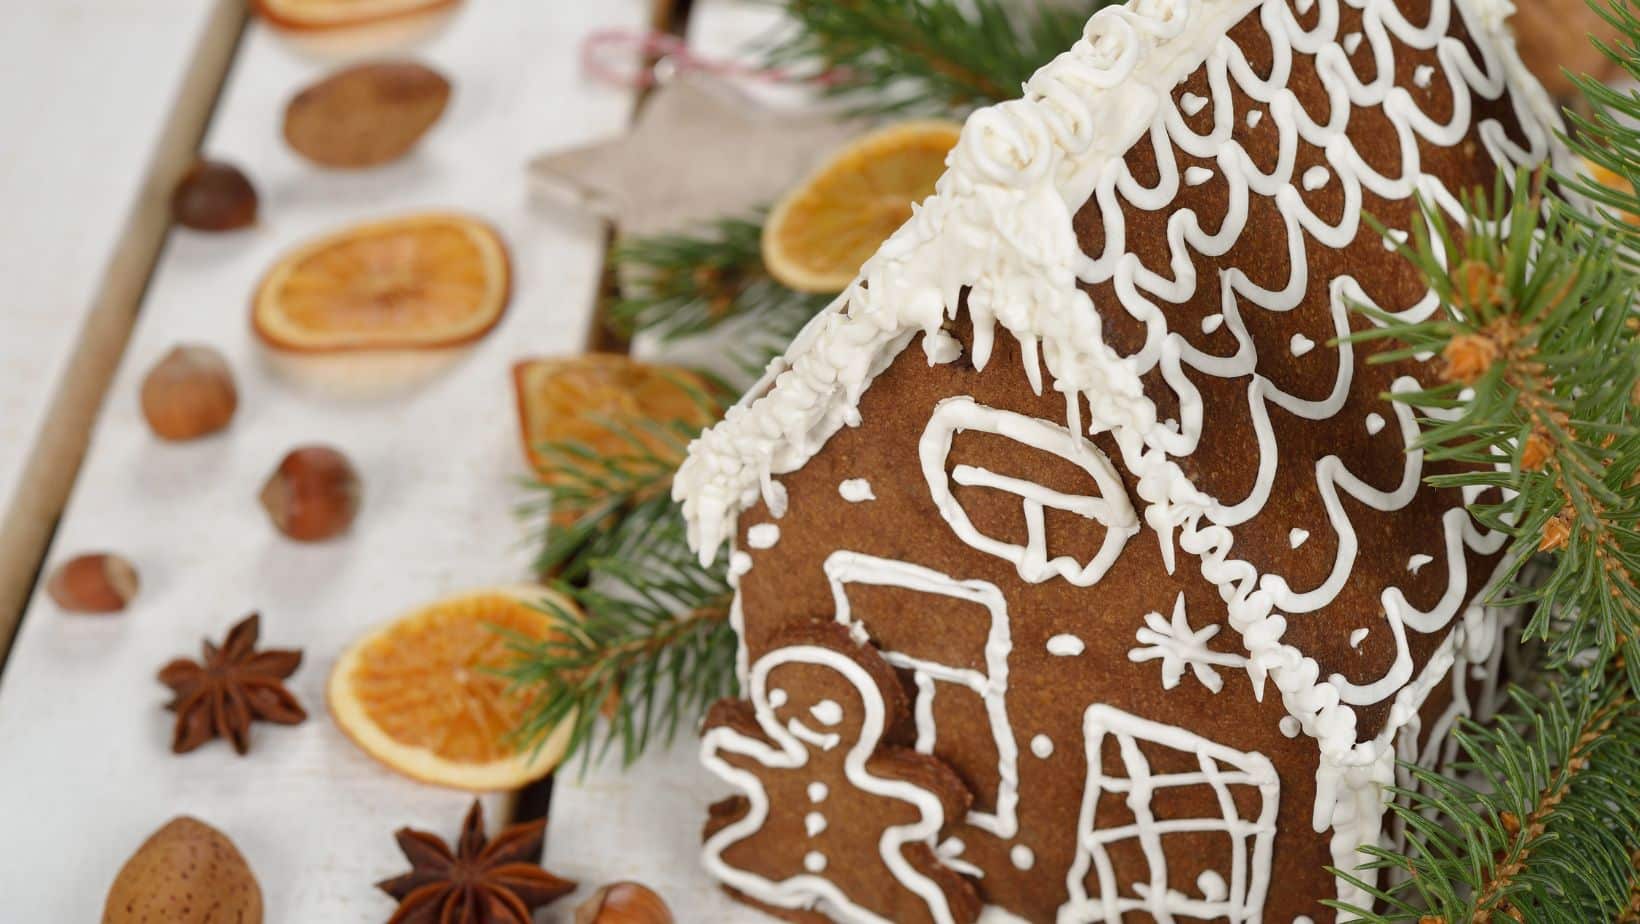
(189, 393)
(313, 494)
(94, 583)
(623, 903)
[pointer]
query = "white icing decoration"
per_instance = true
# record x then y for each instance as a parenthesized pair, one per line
(1221, 767)
(1191, 104)
(739, 564)
(1315, 178)
(1110, 507)
(827, 712)
(1375, 424)
(1301, 344)
(1303, 919)
(999, 231)
(1022, 857)
(1212, 323)
(1352, 41)
(777, 698)
(1289, 726)
(814, 823)
(1423, 75)
(1065, 646)
(786, 752)
(763, 536)
(950, 853)
(1178, 646)
(991, 684)
(1297, 537)
(1358, 636)
(1416, 562)
(1254, 116)
(1196, 176)
(817, 793)
(1042, 746)
(856, 490)
(1212, 886)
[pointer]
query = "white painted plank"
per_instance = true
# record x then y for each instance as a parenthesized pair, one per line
(85, 773)
(105, 99)
(644, 822)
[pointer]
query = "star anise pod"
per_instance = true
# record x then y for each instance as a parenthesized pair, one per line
(482, 882)
(229, 688)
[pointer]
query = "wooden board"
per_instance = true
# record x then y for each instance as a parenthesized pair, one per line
(107, 100)
(85, 774)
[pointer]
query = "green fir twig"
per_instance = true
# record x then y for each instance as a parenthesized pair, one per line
(937, 57)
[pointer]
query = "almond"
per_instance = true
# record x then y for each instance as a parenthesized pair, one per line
(366, 115)
(186, 873)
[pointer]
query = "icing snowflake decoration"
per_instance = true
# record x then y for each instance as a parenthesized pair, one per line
(999, 245)
(1178, 647)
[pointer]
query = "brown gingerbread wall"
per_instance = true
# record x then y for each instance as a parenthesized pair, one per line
(1048, 694)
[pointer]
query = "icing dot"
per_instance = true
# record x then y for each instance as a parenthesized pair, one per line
(1196, 176)
(1417, 562)
(1300, 344)
(1296, 537)
(1316, 177)
(1375, 424)
(814, 861)
(856, 490)
(817, 792)
(1254, 116)
(1352, 42)
(1042, 746)
(814, 823)
(1190, 103)
(763, 536)
(1290, 727)
(1358, 636)
(1212, 323)
(951, 847)
(1393, 238)
(1065, 646)
(1423, 75)
(827, 712)
(1212, 886)
(777, 698)
(1022, 856)
(739, 564)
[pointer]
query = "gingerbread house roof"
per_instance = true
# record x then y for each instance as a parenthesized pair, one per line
(997, 242)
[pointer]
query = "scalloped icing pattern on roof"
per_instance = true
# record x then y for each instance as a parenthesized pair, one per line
(1000, 226)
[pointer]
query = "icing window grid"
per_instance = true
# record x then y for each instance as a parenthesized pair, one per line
(1240, 900)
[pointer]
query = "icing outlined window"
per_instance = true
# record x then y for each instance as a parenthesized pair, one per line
(1110, 507)
(1235, 894)
(844, 568)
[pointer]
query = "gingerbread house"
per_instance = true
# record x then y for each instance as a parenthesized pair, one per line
(1083, 572)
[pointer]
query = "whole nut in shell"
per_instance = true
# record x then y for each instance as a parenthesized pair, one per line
(623, 903)
(214, 196)
(186, 873)
(189, 393)
(313, 494)
(95, 583)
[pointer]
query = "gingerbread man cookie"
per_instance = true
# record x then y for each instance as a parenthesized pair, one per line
(814, 754)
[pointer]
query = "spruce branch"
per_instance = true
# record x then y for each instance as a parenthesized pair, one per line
(1535, 821)
(650, 649)
(942, 57)
(679, 285)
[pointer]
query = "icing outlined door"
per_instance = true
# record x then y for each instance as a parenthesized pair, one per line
(1110, 507)
(1235, 894)
(845, 568)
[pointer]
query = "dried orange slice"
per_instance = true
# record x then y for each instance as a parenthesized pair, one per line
(1612, 180)
(420, 695)
(576, 399)
(331, 14)
(818, 236)
(414, 282)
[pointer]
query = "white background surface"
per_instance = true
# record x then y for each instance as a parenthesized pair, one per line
(85, 771)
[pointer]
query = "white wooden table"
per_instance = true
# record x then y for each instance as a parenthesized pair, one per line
(85, 772)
